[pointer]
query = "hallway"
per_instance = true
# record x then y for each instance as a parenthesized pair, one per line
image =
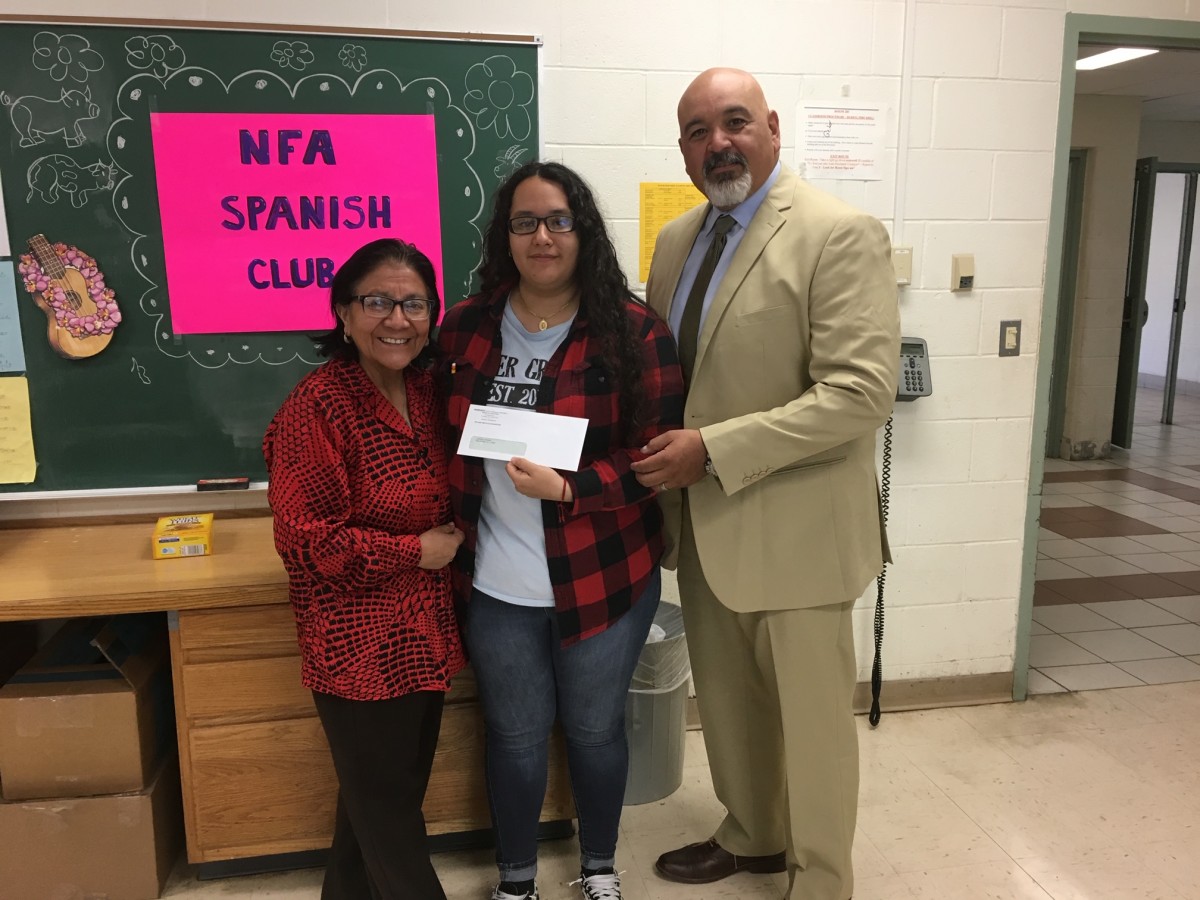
(1117, 593)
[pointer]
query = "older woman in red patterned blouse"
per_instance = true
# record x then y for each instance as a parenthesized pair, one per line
(357, 464)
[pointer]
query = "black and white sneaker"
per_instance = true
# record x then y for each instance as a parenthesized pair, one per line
(498, 894)
(604, 885)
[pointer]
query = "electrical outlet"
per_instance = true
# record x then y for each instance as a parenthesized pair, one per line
(962, 271)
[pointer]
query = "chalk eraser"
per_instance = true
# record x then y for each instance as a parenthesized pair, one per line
(222, 484)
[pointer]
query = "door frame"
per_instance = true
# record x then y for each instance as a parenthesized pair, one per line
(1135, 309)
(1183, 259)
(1065, 320)
(1164, 33)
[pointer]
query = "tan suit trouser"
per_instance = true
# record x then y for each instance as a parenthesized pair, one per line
(775, 691)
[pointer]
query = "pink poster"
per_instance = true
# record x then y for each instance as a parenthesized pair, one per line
(260, 209)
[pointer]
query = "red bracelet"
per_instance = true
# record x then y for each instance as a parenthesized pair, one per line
(562, 498)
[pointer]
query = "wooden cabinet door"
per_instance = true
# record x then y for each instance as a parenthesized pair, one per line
(255, 767)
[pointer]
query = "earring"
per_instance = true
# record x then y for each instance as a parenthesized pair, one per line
(345, 337)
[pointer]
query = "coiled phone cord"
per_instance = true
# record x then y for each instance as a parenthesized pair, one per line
(885, 482)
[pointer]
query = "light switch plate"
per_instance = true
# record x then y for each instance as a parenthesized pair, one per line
(1010, 337)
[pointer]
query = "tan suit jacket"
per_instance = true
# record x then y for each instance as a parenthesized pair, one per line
(796, 370)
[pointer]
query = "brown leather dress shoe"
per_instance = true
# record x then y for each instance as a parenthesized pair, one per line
(707, 862)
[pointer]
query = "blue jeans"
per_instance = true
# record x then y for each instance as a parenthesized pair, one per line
(525, 677)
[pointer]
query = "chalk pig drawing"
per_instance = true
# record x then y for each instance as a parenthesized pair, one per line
(37, 117)
(55, 175)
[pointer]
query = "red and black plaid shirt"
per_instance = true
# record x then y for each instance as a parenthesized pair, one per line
(603, 547)
(352, 488)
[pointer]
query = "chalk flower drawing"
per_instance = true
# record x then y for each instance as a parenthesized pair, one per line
(498, 96)
(294, 54)
(65, 56)
(354, 57)
(157, 54)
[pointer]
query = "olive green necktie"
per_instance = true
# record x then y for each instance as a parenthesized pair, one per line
(689, 324)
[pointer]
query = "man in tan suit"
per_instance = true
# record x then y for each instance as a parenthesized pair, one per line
(788, 330)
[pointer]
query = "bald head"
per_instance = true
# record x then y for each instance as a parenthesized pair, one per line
(723, 81)
(728, 135)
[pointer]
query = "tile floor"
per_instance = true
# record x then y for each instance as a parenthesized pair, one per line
(1117, 593)
(1080, 793)
(1069, 796)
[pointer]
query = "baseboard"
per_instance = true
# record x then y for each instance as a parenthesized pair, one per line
(932, 693)
(917, 693)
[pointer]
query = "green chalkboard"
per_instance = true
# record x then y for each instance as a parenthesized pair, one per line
(155, 407)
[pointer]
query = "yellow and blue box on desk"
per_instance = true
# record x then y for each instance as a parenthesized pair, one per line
(178, 536)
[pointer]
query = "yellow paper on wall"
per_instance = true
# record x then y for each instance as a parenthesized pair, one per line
(17, 465)
(660, 202)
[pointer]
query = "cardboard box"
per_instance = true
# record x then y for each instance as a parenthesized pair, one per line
(178, 536)
(118, 847)
(87, 715)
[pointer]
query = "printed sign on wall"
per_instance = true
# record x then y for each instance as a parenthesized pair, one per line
(260, 209)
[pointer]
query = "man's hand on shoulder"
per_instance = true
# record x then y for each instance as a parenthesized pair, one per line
(674, 460)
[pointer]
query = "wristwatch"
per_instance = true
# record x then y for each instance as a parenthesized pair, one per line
(708, 468)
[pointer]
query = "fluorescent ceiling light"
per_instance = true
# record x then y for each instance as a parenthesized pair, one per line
(1112, 57)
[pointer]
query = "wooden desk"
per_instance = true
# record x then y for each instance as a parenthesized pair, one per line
(254, 766)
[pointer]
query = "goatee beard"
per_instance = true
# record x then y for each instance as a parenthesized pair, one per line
(726, 191)
(729, 192)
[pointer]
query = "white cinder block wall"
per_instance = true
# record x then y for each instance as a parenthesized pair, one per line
(974, 175)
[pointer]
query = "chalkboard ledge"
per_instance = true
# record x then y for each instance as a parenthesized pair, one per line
(127, 504)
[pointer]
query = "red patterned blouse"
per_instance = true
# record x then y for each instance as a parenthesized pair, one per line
(351, 487)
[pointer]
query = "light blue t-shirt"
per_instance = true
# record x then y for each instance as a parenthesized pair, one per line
(510, 554)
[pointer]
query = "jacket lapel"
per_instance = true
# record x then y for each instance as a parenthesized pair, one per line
(676, 255)
(765, 224)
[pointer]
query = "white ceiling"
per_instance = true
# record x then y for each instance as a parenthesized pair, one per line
(1168, 82)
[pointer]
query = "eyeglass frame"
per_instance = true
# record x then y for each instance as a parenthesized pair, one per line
(424, 301)
(539, 221)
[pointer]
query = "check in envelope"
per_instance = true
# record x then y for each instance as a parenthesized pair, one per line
(501, 432)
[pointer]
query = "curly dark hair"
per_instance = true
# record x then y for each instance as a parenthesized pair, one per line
(603, 288)
(365, 260)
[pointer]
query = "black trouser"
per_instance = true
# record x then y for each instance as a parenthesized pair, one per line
(382, 752)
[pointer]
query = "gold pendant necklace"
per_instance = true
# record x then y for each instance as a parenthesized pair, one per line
(543, 324)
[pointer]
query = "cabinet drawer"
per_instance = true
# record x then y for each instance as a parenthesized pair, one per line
(247, 690)
(269, 787)
(261, 788)
(238, 627)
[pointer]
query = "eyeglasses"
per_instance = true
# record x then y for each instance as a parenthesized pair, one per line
(557, 223)
(415, 309)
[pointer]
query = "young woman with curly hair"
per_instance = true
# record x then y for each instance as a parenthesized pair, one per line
(559, 569)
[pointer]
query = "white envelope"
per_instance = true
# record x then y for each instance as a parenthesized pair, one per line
(501, 432)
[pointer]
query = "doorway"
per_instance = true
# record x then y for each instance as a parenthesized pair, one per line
(1082, 30)
(1156, 334)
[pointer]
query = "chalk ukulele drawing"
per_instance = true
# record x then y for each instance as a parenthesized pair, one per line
(69, 288)
(56, 175)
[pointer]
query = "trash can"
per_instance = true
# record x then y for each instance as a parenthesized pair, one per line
(655, 710)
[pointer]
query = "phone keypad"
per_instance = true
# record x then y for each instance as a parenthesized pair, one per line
(914, 380)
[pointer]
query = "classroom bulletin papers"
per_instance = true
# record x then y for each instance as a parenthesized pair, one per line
(12, 354)
(17, 465)
(661, 201)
